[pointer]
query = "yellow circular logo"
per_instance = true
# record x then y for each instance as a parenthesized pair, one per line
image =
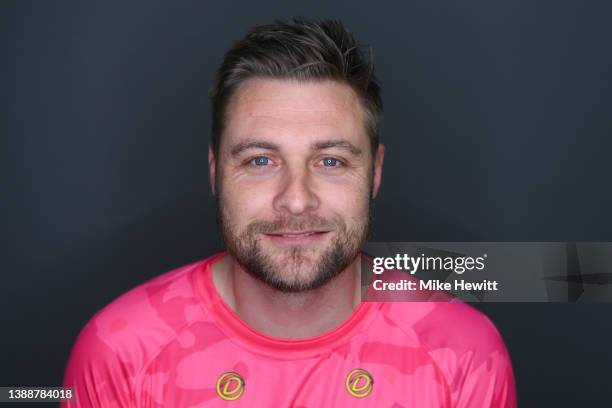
(230, 386)
(359, 383)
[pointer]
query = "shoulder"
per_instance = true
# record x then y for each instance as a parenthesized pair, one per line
(119, 340)
(466, 346)
(151, 312)
(453, 325)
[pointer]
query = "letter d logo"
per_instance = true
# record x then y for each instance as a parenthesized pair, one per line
(359, 383)
(230, 386)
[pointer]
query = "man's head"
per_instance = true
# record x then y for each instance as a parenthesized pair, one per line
(295, 159)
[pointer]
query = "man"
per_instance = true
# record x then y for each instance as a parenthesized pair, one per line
(277, 321)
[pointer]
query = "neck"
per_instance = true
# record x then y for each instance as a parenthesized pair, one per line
(288, 315)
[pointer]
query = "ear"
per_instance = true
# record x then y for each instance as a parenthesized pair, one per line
(379, 158)
(212, 169)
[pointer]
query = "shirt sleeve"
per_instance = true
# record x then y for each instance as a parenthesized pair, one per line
(471, 354)
(486, 378)
(96, 374)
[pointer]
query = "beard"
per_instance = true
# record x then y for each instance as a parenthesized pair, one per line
(296, 268)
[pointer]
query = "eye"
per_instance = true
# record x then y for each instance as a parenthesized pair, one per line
(260, 161)
(330, 162)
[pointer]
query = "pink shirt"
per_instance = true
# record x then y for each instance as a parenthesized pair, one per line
(173, 342)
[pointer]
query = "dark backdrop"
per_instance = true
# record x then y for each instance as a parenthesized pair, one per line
(497, 126)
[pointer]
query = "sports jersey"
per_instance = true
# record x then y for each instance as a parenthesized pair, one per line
(173, 342)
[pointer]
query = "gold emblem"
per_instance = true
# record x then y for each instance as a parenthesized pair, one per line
(359, 383)
(230, 386)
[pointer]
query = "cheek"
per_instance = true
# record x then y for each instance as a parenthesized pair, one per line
(346, 200)
(244, 203)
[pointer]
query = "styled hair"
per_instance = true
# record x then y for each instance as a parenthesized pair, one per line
(300, 50)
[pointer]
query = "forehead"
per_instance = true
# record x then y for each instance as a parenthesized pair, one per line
(290, 111)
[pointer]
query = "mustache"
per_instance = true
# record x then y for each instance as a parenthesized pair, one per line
(310, 222)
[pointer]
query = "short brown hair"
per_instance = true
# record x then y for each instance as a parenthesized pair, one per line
(302, 50)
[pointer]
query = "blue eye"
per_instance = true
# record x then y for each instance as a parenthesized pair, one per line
(330, 162)
(261, 161)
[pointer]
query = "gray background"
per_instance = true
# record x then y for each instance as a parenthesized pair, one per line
(497, 128)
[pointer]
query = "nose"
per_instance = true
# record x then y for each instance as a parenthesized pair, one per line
(296, 195)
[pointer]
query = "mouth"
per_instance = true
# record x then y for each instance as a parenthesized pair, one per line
(296, 237)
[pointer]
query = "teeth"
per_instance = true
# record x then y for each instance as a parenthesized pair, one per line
(306, 234)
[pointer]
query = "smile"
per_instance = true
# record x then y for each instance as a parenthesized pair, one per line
(304, 234)
(296, 238)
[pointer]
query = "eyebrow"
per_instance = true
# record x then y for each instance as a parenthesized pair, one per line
(341, 144)
(240, 147)
(328, 144)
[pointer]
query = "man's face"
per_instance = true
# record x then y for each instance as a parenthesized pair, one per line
(296, 178)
